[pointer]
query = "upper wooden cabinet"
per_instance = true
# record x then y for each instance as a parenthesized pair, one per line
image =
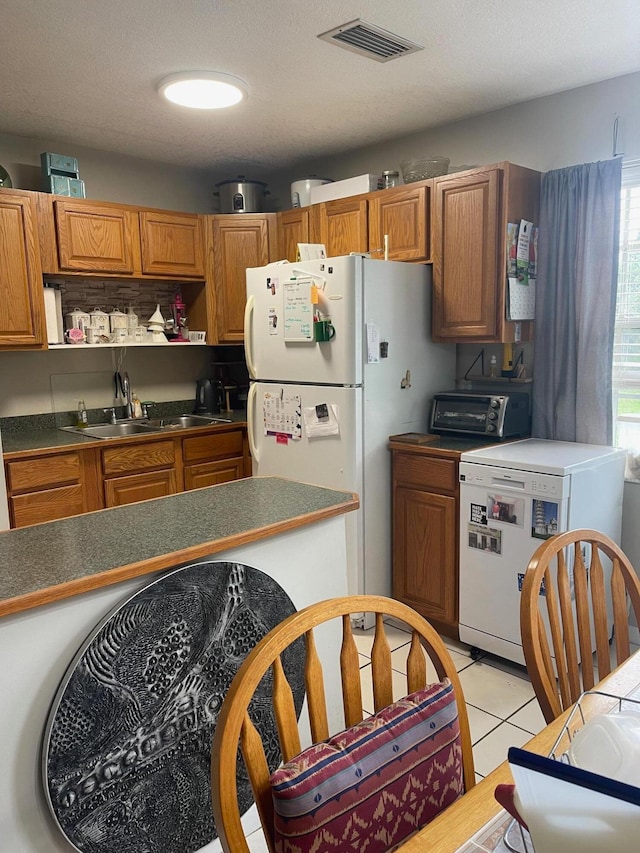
(236, 242)
(363, 223)
(171, 244)
(294, 226)
(342, 225)
(21, 297)
(470, 213)
(103, 238)
(401, 216)
(94, 237)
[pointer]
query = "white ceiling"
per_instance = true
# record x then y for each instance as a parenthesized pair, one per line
(84, 71)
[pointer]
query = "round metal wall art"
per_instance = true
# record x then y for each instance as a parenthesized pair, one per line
(127, 745)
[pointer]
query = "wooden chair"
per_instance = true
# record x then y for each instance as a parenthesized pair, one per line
(234, 727)
(584, 618)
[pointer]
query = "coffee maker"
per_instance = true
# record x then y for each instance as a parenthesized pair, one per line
(209, 397)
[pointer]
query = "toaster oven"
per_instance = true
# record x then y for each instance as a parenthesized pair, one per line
(467, 413)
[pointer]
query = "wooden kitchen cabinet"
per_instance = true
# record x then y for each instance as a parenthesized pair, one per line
(81, 236)
(294, 226)
(235, 242)
(425, 547)
(46, 488)
(21, 297)
(212, 459)
(469, 215)
(94, 237)
(138, 471)
(171, 244)
(403, 215)
(360, 223)
(342, 225)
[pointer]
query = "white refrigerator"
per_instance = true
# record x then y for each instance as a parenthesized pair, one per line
(513, 496)
(322, 411)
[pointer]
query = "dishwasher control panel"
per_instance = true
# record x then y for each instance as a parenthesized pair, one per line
(544, 486)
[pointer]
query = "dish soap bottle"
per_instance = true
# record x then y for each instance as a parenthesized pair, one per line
(136, 405)
(81, 418)
(493, 367)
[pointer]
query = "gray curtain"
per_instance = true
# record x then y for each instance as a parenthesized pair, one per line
(575, 302)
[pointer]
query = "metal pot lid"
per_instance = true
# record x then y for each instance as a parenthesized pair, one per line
(240, 180)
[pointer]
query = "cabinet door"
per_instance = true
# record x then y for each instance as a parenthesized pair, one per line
(466, 272)
(402, 215)
(239, 242)
(342, 225)
(293, 228)
(424, 553)
(95, 238)
(119, 491)
(21, 297)
(171, 244)
(212, 473)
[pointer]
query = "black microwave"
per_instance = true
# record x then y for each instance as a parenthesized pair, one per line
(467, 413)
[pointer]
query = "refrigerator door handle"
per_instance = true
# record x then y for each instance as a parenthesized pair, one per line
(248, 346)
(251, 405)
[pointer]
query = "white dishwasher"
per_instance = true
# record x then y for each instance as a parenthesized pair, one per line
(513, 496)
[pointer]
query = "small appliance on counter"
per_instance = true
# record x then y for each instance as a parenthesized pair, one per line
(469, 413)
(210, 397)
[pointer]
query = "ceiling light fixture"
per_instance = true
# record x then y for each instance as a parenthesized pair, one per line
(203, 90)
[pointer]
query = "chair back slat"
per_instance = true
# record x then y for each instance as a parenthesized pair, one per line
(416, 665)
(568, 630)
(258, 771)
(285, 712)
(381, 667)
(592, 553)
(620, 614)
(599, 608)
(314, 684)
(557, 639)
(583, 618)
(234, 727)
(350, 674)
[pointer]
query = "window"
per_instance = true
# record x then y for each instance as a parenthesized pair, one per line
(626, 347)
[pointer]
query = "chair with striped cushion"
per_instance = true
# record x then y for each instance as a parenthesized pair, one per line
(569, 579)
(378, 779)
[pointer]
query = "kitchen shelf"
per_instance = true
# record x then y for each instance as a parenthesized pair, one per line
(506, 379)
(125, 345)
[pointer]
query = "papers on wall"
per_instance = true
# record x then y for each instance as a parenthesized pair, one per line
(311, 251)
(522, 260)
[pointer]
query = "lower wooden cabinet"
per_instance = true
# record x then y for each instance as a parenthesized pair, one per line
(52, 485)
(425, 536)
(46, 488)
(119, 491)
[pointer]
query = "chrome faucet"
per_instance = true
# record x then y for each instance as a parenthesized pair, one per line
(126, 387)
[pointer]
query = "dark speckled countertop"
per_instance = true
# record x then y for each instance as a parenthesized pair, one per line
(47, 562)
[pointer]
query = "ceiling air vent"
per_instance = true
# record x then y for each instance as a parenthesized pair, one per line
(369, 40)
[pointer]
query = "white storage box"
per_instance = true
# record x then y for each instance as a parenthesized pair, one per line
(342, 189)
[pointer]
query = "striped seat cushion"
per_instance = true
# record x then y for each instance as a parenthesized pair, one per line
(370, 786)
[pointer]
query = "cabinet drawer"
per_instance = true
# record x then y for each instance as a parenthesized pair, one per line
(31, 474)
(209, 447)
(425, 471)
(212, 473)
(47, 505)
(138, 457)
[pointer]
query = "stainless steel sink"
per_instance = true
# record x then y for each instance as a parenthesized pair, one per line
(128, 427)
(185, 421)
(113, 430)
